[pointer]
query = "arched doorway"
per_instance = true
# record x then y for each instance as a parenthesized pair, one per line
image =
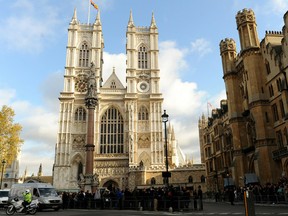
(111, 185)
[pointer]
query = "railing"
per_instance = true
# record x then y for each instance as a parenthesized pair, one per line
(141, 203)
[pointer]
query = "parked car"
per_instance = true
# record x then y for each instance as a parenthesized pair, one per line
(4, 197)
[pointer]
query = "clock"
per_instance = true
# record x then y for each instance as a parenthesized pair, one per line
(143, 86)
(81, 85)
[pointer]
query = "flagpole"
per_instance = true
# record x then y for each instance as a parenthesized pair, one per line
(88, 21)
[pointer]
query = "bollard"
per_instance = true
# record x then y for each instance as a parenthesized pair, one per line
(249, 203)
(170, 209)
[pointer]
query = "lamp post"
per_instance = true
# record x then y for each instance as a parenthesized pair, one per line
(166, 174)
(2, 171)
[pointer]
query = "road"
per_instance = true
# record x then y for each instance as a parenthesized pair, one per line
(210, 208)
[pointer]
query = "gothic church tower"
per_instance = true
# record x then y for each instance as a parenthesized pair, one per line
(249, 108)
(128, 129)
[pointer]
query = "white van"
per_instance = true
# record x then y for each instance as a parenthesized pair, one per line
(4, 197)
(44, 192)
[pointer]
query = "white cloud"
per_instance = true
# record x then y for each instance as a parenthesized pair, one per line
(6, 95)
(201, 47)
(114, 60)
(39, 131)
(278, 6)
(51, 88)
(29, 26)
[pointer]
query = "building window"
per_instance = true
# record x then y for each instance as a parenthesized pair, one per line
(279, 139)
(202, 179)
(190, 179)
(142, 58)
(153, 181)
(143, 113)
(112, 132)
(275, 112)
(208, 139)
(282, 109)
(113, 85)
(271, 91)
(279, 85)
(267, 67)
(84, 55)
(285, 135)
(80, 114)
(217, 145)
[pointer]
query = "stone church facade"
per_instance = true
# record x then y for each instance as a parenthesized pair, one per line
(245, 140)
(128, 139)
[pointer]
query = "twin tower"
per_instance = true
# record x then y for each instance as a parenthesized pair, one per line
(111, 135)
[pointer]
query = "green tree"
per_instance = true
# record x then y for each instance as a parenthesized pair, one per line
(10, 140)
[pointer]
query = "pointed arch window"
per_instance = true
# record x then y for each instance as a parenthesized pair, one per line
(203, 179)
(84, 55)
(190, 179)
(143, 113)
(267, 65)
(153, 181)
(112, 132)
(142, 57)
(80, 114)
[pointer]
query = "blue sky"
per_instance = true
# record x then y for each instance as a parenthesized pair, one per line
(33, 39)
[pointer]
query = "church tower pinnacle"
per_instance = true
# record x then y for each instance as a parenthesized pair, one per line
(247, 29)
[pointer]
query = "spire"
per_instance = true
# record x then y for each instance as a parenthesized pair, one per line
(172, 134)
(40, 170)
(97, 20)
(153, 22)
(74, 18)
(130, 22)
(113, 69)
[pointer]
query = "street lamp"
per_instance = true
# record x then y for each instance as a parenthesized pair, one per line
(3, 164)
(166, 174)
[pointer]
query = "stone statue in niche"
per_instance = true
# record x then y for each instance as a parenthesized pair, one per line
(91, 82)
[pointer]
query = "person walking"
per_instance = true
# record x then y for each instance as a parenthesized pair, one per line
(231, 195)
(200, 197)
(97, 198)
(195, 198)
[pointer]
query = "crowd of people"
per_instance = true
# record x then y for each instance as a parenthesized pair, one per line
(267, 193)
(155, 199)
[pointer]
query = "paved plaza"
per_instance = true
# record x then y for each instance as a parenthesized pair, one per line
(210, 208)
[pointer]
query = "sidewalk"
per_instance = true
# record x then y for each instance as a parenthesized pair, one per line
(241, 202)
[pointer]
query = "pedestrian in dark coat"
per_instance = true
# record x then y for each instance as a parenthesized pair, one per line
(200, 196)
(195, 198)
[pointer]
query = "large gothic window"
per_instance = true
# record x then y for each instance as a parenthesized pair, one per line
(142, 58)
(143, 113)
(112, 132)
(80, 114)
(84, 55)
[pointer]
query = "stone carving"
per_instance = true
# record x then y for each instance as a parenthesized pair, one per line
(92, 86)
(78, 142)
(143, 141)
(118, 164)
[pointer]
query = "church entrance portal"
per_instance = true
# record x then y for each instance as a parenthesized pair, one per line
(111, 184)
